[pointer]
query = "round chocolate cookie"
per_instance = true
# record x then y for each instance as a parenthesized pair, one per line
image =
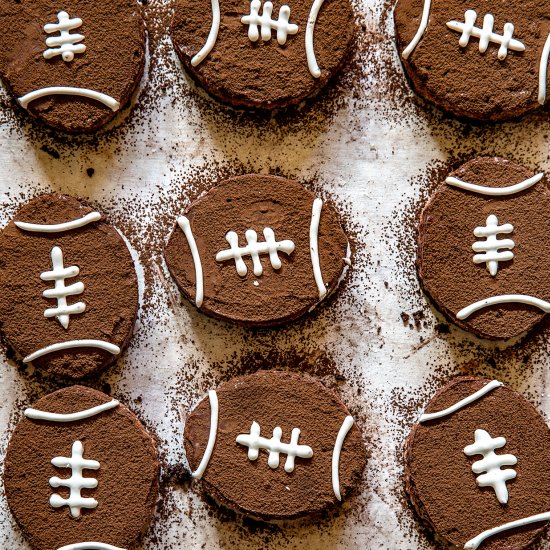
(258, 250)
(486, 60)
(72, 65)
(274, 445)
(259, 54)
(81, 438)
(477, 466)
(483, 255)
(68, 287)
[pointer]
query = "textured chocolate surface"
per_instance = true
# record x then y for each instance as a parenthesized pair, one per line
(287, 400)
(438, 475)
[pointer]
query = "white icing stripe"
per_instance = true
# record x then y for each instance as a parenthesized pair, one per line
(59, 227)
(314, 247)
(344, 429)
(212, 35)
(495, 191)
(107, 100)
(90, 546)
(107, 346)
(463, 402)
(198, 473)
(36, 414)
(504, 299)
(185, 226)
(476, 541)
(543, 71)
(310, 28)
(421, 30)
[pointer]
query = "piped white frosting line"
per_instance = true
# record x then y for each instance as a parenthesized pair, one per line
(476, 541)
(420, 32)
(214, 407)
(503, 299)
(185, 226)
(495, 191)
(100, 344)
(543, 71)
(90, 546)
(212, 35)
(36, 414)
(314, 247)
(310, 28)
(463, 402)
(107, 100)
(59, 227)
(344, 429)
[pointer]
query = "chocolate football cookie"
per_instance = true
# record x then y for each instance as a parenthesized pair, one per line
(258, 250)
(81, 472)
(262, 54)
(483, 253)
(68, 287)
(72, 65)
(477, 466)
(274, 445)
(482, 60)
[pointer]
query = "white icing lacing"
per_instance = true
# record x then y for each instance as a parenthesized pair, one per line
(494, 191)
(486, 34)
(107, 100)
(489, 467)
(185, 226)
(474, 543)
(66, 44)
(504, 299)
(76, 482)
(90, 546)
(314, 247)
(59, 227)
(490, 248)
(100, 344)
(212, 35)
(310, 29)
(60, 292)
(261, 25)
(35, 414)
(420, 32)
(462, 403)
(254, 441)
(543, 71)
(344, 429)
(214, 411)
(254, 249)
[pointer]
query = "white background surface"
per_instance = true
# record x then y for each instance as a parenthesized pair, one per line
(369, 145)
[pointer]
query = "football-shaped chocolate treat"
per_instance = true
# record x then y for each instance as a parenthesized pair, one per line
(258, 250)
(274, 445)
(74, 64)
(81, 472)
(483, 254)
(477, 466)
(483, 60)
(68, 287)
(263, 54)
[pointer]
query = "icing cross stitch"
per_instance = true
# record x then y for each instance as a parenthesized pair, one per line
(266, 24)
(66, 44)
(490, 248)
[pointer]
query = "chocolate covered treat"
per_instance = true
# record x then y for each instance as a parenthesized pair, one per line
(258, 250)
(262, 54)
(477, 466)
(68, 287)
(81, 472)
(483, 256)
(72, 65)
(274, 445)
(486, 60)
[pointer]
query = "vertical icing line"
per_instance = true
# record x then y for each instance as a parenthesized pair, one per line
(342, 433)
(420, 32)
(212, 35)
(185, 226)
(543, 71)
(310, 28)
(214, 407)
(314, 246)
